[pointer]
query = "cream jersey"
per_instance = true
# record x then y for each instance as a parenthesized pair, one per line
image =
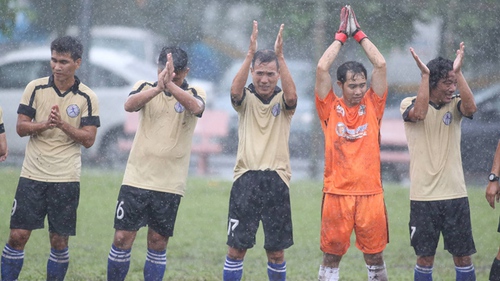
(52, 155)
(434, 144)
(263, 133)
(2, 127)
(159, 159)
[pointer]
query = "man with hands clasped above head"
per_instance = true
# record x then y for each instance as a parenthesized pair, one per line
(353, 197)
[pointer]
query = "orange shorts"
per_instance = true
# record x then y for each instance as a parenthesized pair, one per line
(365, 214)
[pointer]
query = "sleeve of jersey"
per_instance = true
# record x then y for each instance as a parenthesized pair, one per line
(91, 116)
(200, 94)
(378, 101)
(405, 107)
(27, 106)
(324, 106)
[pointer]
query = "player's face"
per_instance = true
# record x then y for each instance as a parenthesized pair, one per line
(445, 89)
(354, 88)
(63, 66)
(265, 77)
(180, 76)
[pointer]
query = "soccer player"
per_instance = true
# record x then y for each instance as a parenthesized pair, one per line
(438, 195)
(353, 197)
(260, 190)
(3, 140)
(59, 114)
(157, 168)
(492, 194)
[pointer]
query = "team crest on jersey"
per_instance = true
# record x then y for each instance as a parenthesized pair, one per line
(73, 110)
(447, 118)
(179, 108)
(340, 110)
(362, 110)
(276, 110)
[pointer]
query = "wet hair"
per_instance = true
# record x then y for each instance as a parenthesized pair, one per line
(67, 44)
(265, 56)
(179, 57)
(439, 69)
(353, 66)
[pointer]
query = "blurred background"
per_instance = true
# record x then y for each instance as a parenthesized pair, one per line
(122, 40)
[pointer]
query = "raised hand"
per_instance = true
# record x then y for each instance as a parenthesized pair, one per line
(341, 34)
(278, 45)
(354, 28)
(253, 38)
(423, 68)
(457, 64)
(169, 67)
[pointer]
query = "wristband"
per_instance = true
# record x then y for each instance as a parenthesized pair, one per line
(341, 37)
(359, 35)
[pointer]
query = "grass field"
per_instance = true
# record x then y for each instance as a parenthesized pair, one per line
(197, 250)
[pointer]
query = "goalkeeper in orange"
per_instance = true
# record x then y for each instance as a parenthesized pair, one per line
(353, 197)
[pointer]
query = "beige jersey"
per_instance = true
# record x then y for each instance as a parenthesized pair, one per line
(434, 144)
(159, 159)
(52, 155)
(263, 132)
(2, 127)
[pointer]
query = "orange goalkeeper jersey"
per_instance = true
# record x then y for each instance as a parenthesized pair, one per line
(352, 144)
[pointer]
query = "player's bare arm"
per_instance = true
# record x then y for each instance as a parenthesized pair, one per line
(323, 77)
(493, 188)
(289, 90)
(4, 151)
(137, 101)
(419, 111)
(468, 105)
(84, 135)
(241, 77)
(191, 103)
(26, 126)
(379, 74)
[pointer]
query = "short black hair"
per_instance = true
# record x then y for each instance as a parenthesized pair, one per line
(179, 57)
(353, 66)
(439, 69)
(67, 44)
(265, 56)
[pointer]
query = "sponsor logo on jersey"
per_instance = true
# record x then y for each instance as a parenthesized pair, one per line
(351, 134)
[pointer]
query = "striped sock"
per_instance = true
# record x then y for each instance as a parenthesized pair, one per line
(422, 273)
(233, 269)
(276, 272)
(118, 263)
(466, 273)
(57, 265)
(12, 262)
(156, 263)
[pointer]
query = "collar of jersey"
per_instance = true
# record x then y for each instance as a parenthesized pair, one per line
(73, 88)
(184, 86)
(277, 89)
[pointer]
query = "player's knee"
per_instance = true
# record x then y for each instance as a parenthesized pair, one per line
(18, 238)
(374, 259)
(123, 239)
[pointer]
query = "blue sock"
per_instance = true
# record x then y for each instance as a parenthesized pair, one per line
(57, 265)
(156, 263)
(118, 263)
(466, 273)
(276, 272)
(422, 273)
(233, 270)
(12, 262)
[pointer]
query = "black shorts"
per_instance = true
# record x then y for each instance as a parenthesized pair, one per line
(137, 207)
(450, 217)
(35, 199)
(260, 196)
